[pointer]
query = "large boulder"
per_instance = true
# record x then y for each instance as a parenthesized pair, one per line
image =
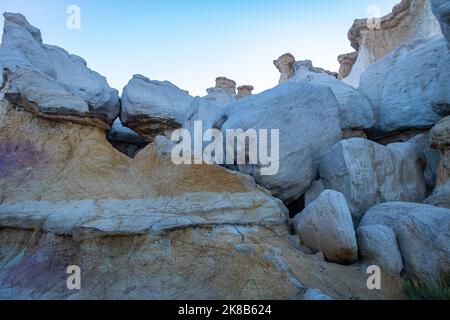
(307, 117)
(50, 82)
(355, 107)
(326, 225)
(152, 108)
(368, 173)
(375, 38)
(400, 103)
(378, 246)
(441, 9)
(423, 236)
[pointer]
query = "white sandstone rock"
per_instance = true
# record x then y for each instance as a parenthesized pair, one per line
(368, 173)
(307, 117)
(152, 107)
(378, 246)
(326, 225)
(423, 235)
(403, 96)
(356, 111)
(441, 9)
(51, 82)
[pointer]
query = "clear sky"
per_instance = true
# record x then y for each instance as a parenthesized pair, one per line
(191, 42)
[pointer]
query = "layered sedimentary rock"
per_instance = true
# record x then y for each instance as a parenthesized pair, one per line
(50, 82)
(346, 62)
(423, 236)
(368, 173)
(68, 197)
(244, 91)
(402, 104)
(373, 39)
(307, 117)
(326, 225)
(226, 84)
(152, 107)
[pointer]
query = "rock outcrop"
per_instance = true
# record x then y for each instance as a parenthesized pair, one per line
(244, 91)
(423, 236)
(301, 112)
(226, 84)
(49, 82)
(124, 139)
(346, 62)
(374, 39)
(285, 64)
(153, 108)
(326, 225)
(368, 173)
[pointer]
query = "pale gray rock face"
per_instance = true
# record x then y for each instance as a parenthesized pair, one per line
(423, 235)
(378, 246)
(207, 109)
(326, 225)
(152, 107)
(50, 79)
(441, 9)
(368, 173)
(404, 97)
(356, 111)
(307, 117)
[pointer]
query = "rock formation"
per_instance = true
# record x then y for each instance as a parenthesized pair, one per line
(399, 103)
(368, 173)
(285, 64)
(80, 185)
(326, 225)
(356, 111)
(378, 245)
(423, 236)
(153, 108)
(226, 84)
(244, 91)
(48, 81)
(373, 39)
(346, 61)
(300, 111)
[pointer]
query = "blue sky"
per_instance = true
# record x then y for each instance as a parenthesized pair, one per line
(191, 42)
